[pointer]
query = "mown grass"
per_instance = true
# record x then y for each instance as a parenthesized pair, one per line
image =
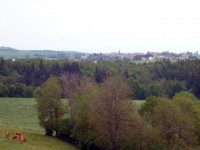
(19, 114)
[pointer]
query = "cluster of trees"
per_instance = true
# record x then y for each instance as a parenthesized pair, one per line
(175, 121)
(161, 78)
(16, 90)
(21, 77)
(103, 116)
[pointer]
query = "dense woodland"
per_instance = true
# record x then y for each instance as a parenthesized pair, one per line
(162, 78)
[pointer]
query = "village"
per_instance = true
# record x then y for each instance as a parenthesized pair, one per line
(149, 56)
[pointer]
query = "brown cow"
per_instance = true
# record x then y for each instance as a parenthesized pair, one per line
(22, 139)
(19, 137)
(16, 137)
(18, 133)
(7, 134)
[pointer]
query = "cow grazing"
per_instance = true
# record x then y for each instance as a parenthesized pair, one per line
(19, 137)
(18, 133)
(22, 139)
(7, 134)
(16, 137)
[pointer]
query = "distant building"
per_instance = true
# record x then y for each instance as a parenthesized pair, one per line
(119, 52)
(150, 58)
(83, 57)
(196, 53)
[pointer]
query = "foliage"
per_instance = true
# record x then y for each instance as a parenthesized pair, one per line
(147, 108)
(83, 129)
(176, 128)
(49, 106)
(176, 122)
(159, 144)
(190, 106)
(119, 120)
(160, 78)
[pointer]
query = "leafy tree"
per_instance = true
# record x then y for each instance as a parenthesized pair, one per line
(138, 91)
(147, 108)
(176, 128)
(49, 106)
(190, 106)
(139, 135)
(187, 95)
(56, 69)
(28, 92)
(70, 87)
(173, 87)
(3, 90)
(173, 121)
(111, 112)
(100, 74)
(83, 129)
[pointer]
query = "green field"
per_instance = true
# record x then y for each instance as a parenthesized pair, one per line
(138, 103)
(19, 114)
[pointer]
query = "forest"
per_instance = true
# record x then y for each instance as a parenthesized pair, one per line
(22, 77)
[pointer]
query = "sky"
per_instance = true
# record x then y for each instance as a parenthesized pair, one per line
(101, 25)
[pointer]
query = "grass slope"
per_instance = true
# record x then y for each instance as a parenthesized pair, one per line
(35, 141)
(19, 114)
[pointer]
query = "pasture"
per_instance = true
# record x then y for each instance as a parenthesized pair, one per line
(19, 114)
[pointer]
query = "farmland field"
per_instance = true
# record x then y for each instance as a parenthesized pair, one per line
(19, 114)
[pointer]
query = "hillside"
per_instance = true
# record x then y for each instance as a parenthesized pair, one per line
(19, 114)
(11, 53)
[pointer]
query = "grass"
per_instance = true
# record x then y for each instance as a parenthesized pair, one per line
(19, 114)
(35, 141)
(138, 103)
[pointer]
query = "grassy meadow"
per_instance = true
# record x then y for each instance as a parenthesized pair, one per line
(19, 114)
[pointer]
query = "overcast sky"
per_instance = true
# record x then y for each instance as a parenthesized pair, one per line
(101, 25)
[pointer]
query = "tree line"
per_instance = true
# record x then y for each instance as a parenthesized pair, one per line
(103, 116)
(162, 78)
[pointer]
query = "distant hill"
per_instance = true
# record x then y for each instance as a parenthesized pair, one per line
(2, 48)
(11, 53)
